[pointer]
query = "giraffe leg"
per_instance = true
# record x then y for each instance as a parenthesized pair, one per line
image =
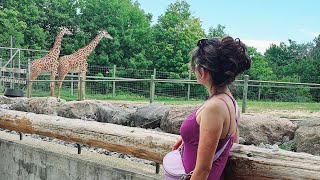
(34, 75)
(62, 75)
(52, 83)
(79, 86)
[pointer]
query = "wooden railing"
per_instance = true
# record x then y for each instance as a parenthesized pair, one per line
(246, 162)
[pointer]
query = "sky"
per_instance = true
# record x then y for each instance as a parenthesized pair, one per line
(257, 23)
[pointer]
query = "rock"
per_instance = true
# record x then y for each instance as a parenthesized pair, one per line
(5, 106)
(39, 105)
(307, 137)
(6, 100)
(95, 111)
(114, 114)
(176, 116)
(45, 105)
(20, 104)
(260, 128)
(150, 116)
(86, 110)
(241, 140)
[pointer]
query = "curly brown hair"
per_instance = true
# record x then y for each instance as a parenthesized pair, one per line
(223, 58)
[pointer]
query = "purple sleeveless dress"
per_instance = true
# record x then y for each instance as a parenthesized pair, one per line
(190, 131)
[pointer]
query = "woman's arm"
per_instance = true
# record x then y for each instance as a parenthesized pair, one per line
(177, 144)
(211, 125)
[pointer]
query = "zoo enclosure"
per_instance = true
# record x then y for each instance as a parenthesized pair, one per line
(114, 83)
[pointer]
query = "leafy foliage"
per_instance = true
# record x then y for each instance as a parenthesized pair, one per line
(138, 44)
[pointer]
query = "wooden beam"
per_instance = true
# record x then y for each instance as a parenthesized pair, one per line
(14, 70)
(253, 163)
(139, 142)
(246, 162)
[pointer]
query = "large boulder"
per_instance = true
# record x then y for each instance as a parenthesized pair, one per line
(110, 113)
(39, 105)
(20, 104)
(95, 111)
(45, 105)
(176, 116)
(86, 110)
(307, 137)
(150, 115)
(260, 128)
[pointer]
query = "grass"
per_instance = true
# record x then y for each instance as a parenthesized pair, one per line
(258, 106)
(252, 106)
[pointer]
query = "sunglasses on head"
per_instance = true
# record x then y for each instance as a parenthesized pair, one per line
(202, 42)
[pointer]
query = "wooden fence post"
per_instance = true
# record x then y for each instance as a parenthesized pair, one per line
(80, 95)
(259, 92)
(245, 93)
(152, 89)
(188, 93)
(114, 82)
(72, 84)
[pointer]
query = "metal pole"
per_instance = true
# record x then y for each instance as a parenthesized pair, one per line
(11, 63)
(188, 93)
(245, 93)
(152, 88)
(71, 84)
(28, 79)
(114, 82)
(19, 65)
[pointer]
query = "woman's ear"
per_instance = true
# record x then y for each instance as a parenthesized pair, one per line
(204, 74)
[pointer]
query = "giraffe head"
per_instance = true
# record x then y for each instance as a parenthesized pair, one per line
(105, 34)
(65, 30)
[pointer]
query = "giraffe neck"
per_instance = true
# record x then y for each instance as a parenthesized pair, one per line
(55, 50)
(85, 51)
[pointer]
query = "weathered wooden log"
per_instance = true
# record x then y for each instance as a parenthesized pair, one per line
(249, 162)
(139, 142)
(246, 162)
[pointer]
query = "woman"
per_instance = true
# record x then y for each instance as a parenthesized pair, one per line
(213, 126)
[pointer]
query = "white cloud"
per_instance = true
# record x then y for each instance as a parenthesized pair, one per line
(315, 34)
(261, 45)
(309, 33)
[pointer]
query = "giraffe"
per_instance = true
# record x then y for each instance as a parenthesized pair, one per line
(49, 63)
(77, 62)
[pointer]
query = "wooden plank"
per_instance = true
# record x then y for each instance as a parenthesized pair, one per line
(142, 143)
(13, 80)
(14, 70)
(253, 163)
(246, 162)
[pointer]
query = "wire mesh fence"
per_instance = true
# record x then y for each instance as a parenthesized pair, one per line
(117, 82)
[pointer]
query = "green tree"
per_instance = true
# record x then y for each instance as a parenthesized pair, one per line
(175, 34)
(217, 32)
(125, 21)
(11, 25)
(260, 69)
